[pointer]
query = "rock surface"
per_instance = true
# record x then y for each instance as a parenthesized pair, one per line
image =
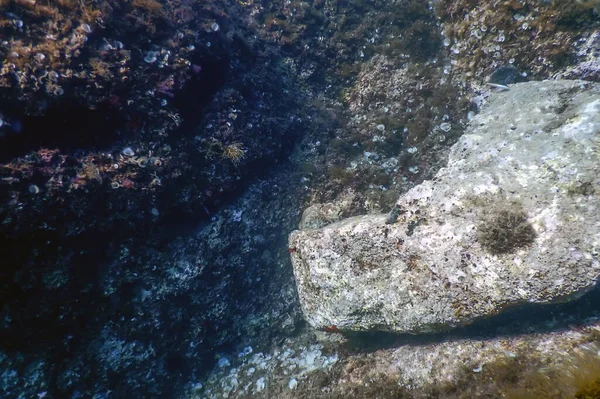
(512, 219)
(548, 365)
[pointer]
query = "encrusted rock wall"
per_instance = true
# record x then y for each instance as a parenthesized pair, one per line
(512, 219)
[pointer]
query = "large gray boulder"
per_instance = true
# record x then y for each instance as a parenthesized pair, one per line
(513, 218)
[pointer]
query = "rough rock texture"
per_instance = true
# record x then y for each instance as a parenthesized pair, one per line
(319, 215)
(540, 365)
(512, 219)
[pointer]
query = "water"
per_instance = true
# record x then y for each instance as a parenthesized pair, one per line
(132, 274)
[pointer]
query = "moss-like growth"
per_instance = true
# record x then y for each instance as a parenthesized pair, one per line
(414, 28)
(584, 373)
(590, 391)
(306, 168)
(581, 188)
(150, 6)
(340, 174)
(348, 147)
(504, 228)
(372, 176)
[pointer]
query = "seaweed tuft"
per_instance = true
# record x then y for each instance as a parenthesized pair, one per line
(505, 228)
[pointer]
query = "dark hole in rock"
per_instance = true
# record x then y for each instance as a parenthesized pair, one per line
(208, 75)
(66, 125)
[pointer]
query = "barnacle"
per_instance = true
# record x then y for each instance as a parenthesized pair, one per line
(142, 162)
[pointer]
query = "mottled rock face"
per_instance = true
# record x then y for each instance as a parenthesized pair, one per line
(512, 219)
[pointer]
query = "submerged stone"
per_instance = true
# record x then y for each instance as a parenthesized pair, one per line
(512, 219)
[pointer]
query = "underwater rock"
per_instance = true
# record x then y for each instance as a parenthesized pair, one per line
(512, 219)
(507, 75)
(319, 215)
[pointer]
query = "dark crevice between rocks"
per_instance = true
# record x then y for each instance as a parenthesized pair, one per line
(518, 320)
(65, 124)
(208, 76)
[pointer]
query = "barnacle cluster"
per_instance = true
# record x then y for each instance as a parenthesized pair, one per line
(537, 37)
(40, 40)
(83, 49)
